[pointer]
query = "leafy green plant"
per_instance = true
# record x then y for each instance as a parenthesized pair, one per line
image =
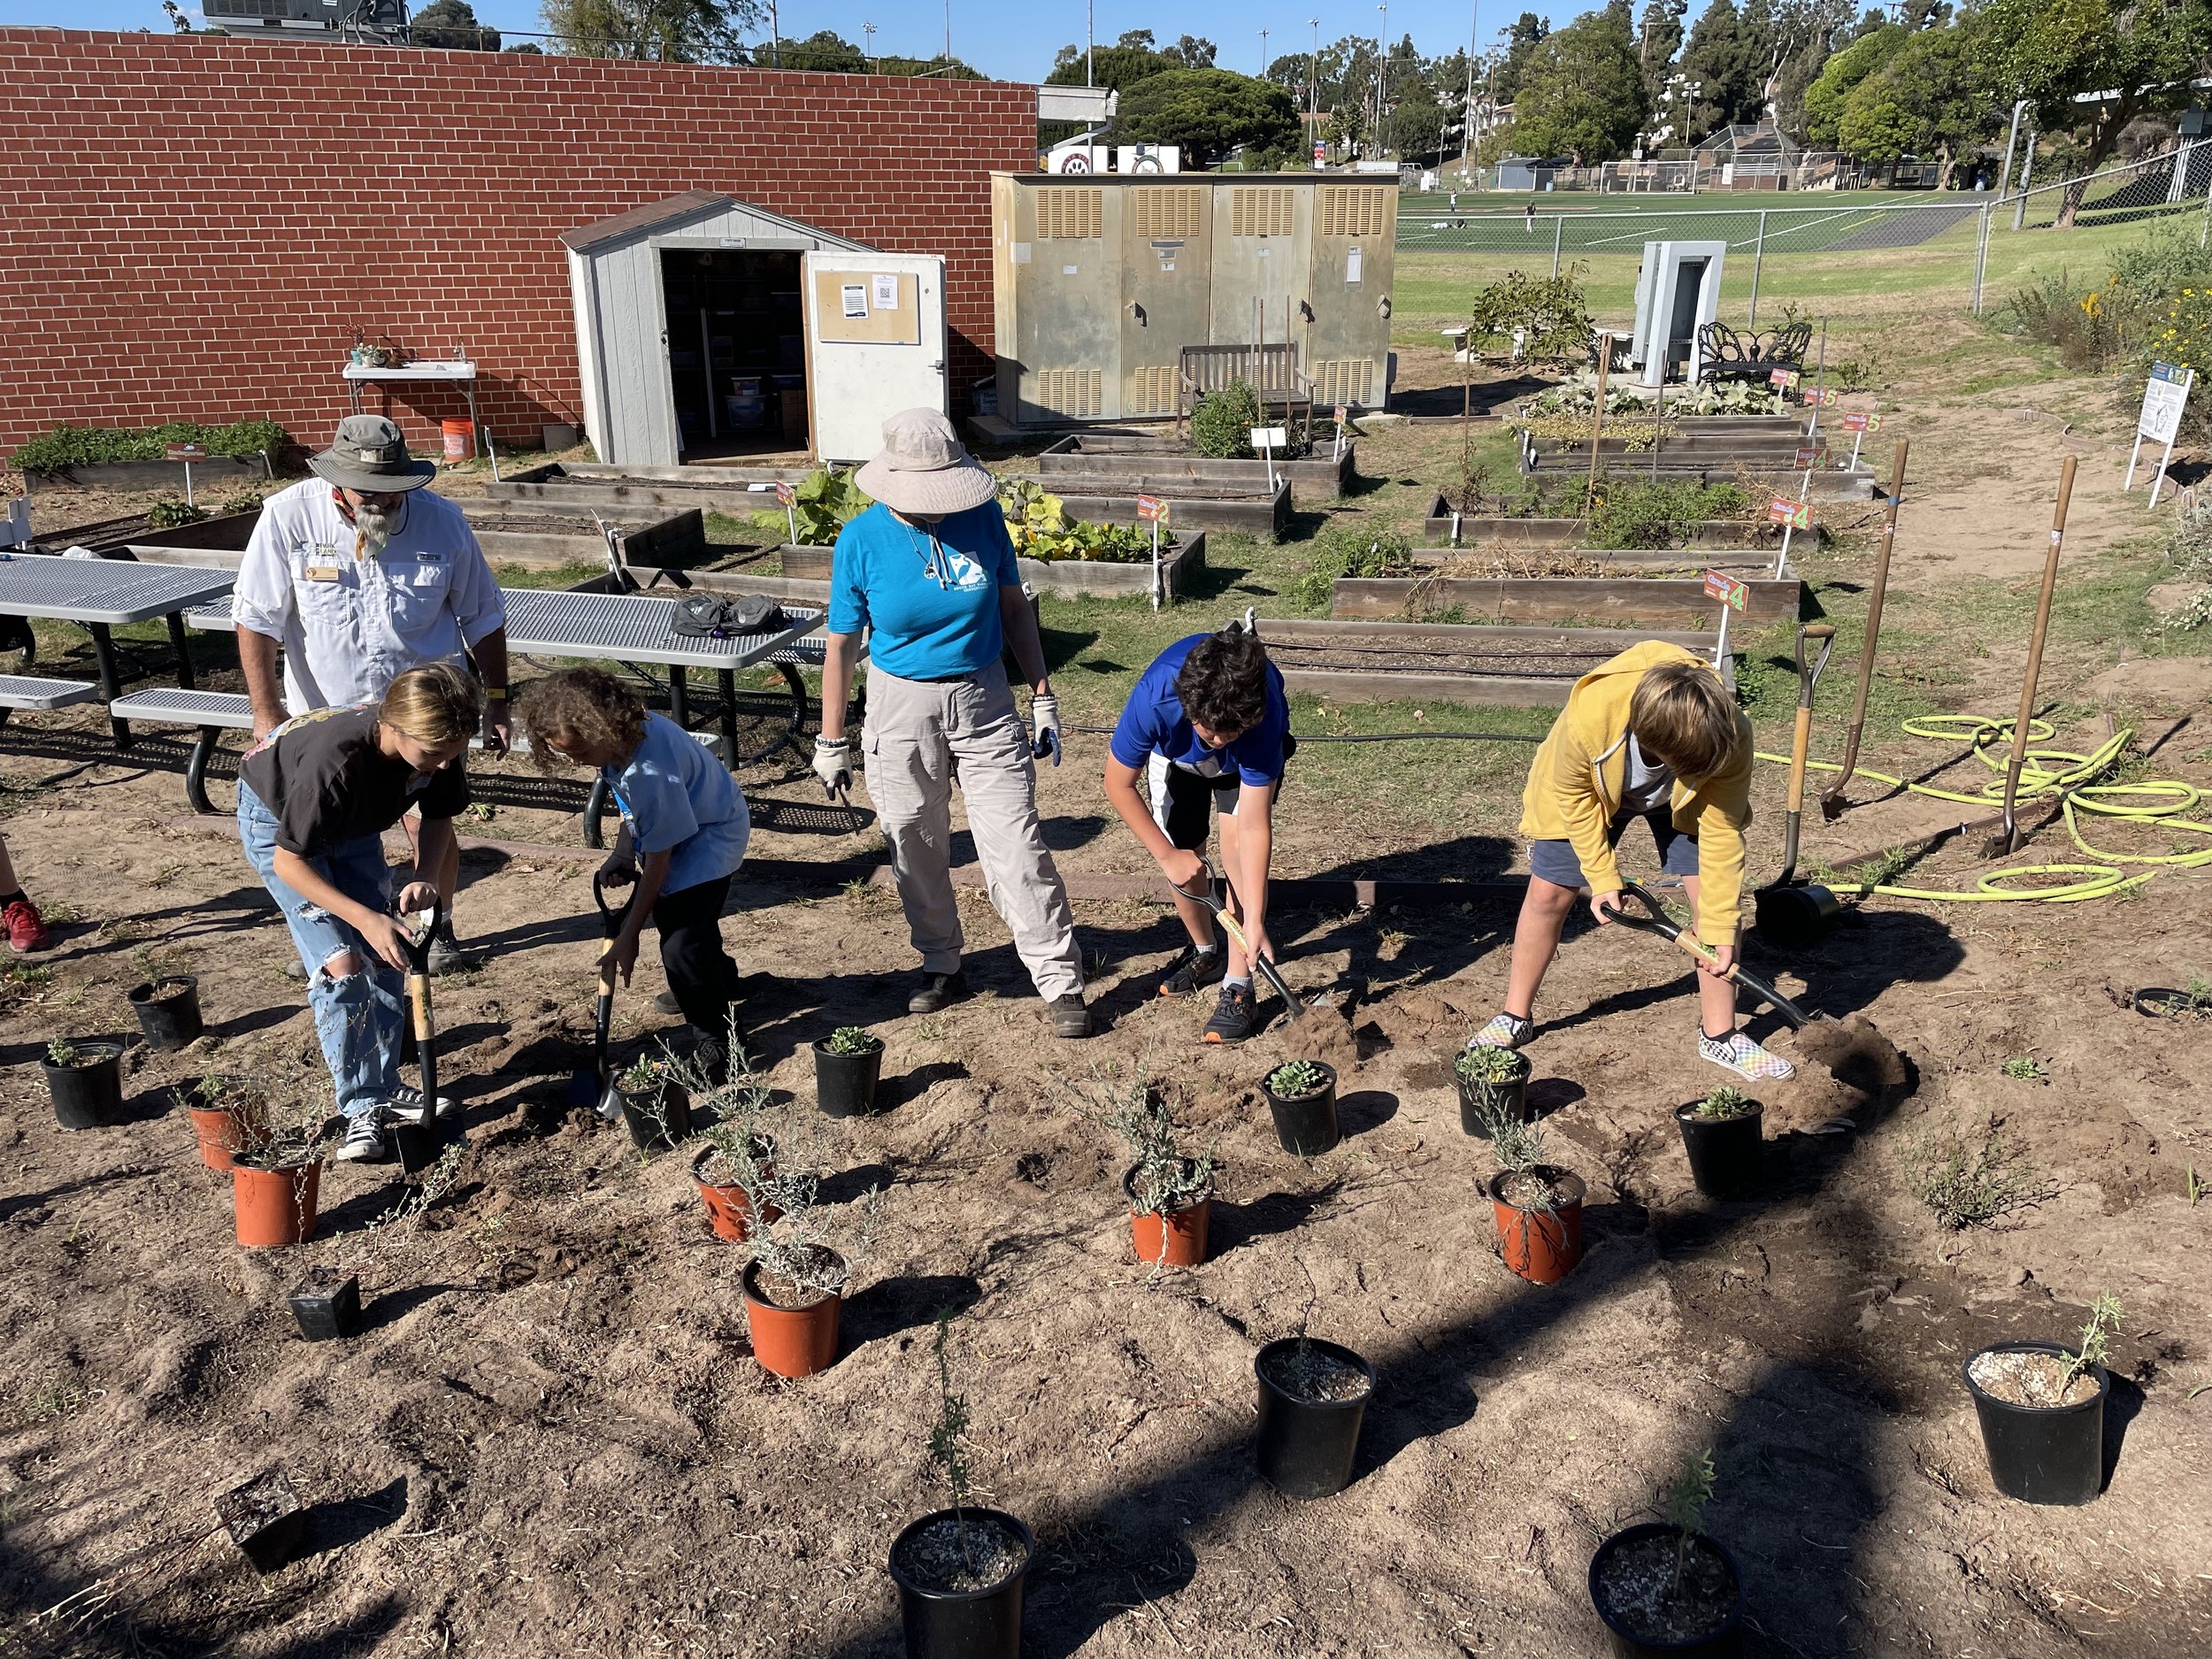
(1640, 513)
(61, 1051)
(1354, 551)
(168, 513)
(243, 500)
(68, 446)
(1294, 1079)
(849, 1039)
(1168, 1178)
(1492, 1064)
(1221, 425)
(1549, 313)
(2024, 1068)
(1037, 522)
(1733, 397)
(644, 1072)
(1725, 1102)
(823, 503)
(2095, 1347)
(1639, 434)
(1681, 1505)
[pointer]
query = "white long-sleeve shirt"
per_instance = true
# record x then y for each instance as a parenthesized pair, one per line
(349, 627)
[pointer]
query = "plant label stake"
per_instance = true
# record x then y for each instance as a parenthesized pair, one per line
(1153, 510)
(188, 453)
(1597, 423)
(2164, 395)
(1267, 440)
(1831, 801)
(1731, 594)
(492, 450)
(784, 496)
(1260, 964)
(1819, 396)
(2008, 839)
(1858, 427)
(1793, 516)
(595, 1087)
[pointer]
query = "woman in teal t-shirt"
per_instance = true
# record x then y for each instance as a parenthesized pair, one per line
(929, 573)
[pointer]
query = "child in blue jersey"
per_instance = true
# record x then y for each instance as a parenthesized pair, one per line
(1208, 727)
(684, 830)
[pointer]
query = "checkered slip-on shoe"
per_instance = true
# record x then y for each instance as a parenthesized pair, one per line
(1504, 1030)
(1746, 1059)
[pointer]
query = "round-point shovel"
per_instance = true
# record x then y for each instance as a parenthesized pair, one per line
(1656, 920)
(2006, 842)
(419, 1144)
(1793, 912)
(1260, 964)
(594, 1089)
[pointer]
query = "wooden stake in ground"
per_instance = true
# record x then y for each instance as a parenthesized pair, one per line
(1831, 801)
(1597, 423)
(2008, 839)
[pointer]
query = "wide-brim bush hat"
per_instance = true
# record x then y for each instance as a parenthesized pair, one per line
(923, 468)
(370, 454)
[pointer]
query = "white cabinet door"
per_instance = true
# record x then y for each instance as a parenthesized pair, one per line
(875, 344)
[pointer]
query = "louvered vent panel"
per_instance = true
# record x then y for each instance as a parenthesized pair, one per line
(1352, 211)
(1344, 381)
(1069, 215)
(1260, 210)
(1165, 214)
(1072, 394)
(1149, 391)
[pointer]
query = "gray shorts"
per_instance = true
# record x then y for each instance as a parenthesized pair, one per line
(1554, 861)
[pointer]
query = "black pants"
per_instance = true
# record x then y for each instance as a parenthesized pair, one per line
(700, 972)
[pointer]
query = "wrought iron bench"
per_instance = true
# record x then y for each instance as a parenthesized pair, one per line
(1270, 370)
(1726, 355)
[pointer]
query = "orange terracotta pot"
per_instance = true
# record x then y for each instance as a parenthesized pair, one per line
(729, 1212)
(790, 1341)
(1177, 1238)
(220, 1131)
(1542, 1246)
(276, 1207)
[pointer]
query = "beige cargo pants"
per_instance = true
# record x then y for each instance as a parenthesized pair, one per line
(920, 736)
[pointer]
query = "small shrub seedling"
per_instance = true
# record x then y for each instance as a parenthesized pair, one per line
(1968, 1184)
(1682, 1506)
(1519, 1149)
(1487, 1063)
(848, 1040)
(61, 1051)
(1725, 1102)
(1222, 424)
(2096, 1339)
(1296, 1078)
(168, 513)
(1168, 1178)
(948, 1448)
(2024, 1067)
(642, 1074)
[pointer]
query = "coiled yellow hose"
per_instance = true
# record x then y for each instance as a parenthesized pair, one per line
(2047, 773)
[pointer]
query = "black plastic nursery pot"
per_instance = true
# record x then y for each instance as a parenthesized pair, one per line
(962, 1624)
(168, 1010)
(1306, 1123)
(264, 1518)
(89, 1094)
(657, 1115)
(1306, 1446)
(845, 1084)
(1727, 1155)
(2042, 1454)
(1724, 1640)
(328, 1304)
(1480, 1102)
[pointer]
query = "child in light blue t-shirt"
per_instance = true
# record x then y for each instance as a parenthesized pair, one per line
(684, 830)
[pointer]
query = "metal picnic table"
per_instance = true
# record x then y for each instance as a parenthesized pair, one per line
(104, 594)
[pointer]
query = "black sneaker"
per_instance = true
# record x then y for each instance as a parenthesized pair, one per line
(1232, 1017)
(938, 990)
(666, 1004)
(1069, 1017)
(1194, 969)
(446, 956)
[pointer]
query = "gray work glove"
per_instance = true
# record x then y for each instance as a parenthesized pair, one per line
(1044, 712)
(834, 766)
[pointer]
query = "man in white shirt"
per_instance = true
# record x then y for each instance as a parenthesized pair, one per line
(358, 574)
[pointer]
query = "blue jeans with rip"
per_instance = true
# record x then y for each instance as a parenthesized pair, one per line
(360, 1016)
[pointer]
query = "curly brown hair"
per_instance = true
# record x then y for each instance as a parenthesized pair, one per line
(589, 703)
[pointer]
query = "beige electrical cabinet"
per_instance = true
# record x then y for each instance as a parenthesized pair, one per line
(1100, 282)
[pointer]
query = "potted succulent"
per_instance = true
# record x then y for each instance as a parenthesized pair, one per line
(1170, 1190)
(1722, 1134)
(276, 1184)
(85, 1076)
(2191, 1002)
(1664, 1587)
(1302, 1095)
(656, 1107)
(961, 1571)
(1538, 1205)
(228, 1115)
(794, 1284)
(167, 1004)
(847, 1066)
(1313, 1399)
(1492, 1083)
(2042, 1411)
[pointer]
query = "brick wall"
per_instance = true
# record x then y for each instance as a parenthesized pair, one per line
(193, 227)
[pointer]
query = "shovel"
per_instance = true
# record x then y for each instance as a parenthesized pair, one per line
(1260, 964)
(1793, 912)
(419, 1145)
(1831, 801)
(594, 1089)
(1656, 920)
(2007, 840)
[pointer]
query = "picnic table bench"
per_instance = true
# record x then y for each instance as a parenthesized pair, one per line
(100, 596)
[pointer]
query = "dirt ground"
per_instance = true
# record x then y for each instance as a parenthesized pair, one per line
(552, 1437)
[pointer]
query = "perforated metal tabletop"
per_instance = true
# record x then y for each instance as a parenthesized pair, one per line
(110, 592)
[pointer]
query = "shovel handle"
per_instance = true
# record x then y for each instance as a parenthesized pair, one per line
(1833, 800)
(1658, 921)
(1260, 964)
(2035, 651)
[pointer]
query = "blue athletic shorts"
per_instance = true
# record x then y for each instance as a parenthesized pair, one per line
(1556, 861)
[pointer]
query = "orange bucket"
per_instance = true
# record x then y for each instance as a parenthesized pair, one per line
(1542, 1246)
(790, 1341)
(460, 439)
(276, 1207)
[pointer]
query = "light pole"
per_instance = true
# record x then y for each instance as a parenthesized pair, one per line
(869, 31)
(1090, 40)
(1313, 83)
(1467, 109)
(775, 37)
(948, 37)
(1382, 62)
(1263, 54)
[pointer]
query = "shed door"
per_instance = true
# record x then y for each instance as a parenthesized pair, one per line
(875, 344)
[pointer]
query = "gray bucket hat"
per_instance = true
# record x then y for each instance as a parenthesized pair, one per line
(923, 468)
(370, 454)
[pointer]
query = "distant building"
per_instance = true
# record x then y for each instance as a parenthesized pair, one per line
(1529, 172)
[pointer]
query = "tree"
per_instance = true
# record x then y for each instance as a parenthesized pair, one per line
(1208, 112)
(1840, 77)
(2047, 51)
(1120, 65)
(670, 31)
(1718, 62)
(1193, 52)
(1583, 94)
(1527, 33)
(1925, 101)
(824, 51)
(452, 26)
(1657, 39)
(1415, 127)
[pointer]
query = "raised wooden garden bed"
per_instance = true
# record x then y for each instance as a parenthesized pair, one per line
(1065, 577)
(1377, 662)
(1567, 533)
(1157, 466)
(1628, 602)
(732, 490)
(1194, 506)
(542, 532)
(216, 472)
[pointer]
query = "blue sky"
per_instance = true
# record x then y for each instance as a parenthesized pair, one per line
(1011, 39)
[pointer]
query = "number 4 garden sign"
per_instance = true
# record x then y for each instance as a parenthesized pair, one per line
(2163, 398)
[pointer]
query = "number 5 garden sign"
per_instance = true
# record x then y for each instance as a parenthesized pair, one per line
(2164, 395)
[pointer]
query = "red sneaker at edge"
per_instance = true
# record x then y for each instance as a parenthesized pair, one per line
(25, 930)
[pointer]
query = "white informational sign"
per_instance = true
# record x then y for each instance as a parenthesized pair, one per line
(2164, 396)
(1267, 440)
(1352, 263)
(856, 299)
(886, 293)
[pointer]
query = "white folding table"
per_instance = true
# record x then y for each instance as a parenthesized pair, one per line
(440, 371)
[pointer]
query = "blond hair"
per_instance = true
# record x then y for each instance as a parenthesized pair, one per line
(1682, 715)
(436, 704)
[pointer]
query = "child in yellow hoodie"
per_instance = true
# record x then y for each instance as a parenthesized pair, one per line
(1652, 734)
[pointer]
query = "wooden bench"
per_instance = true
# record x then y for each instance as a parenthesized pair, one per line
(1270, 370)
(29, 691)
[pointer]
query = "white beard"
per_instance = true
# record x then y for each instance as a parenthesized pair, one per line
(371, 532)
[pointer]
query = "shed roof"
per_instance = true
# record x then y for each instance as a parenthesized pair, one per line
(693, 207)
